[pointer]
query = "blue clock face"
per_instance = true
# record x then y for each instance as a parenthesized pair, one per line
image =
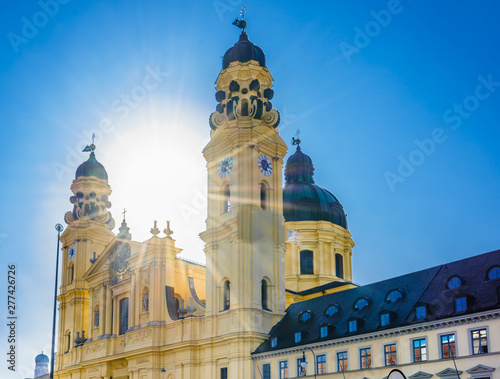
(71, 252)
(225, 166)
(265, 165)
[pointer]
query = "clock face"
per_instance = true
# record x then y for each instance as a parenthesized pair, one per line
(225, 166)
(265, 165)
(71, 252)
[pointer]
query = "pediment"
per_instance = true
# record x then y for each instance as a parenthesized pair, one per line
(448, 372)
(102, 262)
(480, 368)
(420, 375)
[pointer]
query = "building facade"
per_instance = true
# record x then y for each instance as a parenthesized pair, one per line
(277, 257)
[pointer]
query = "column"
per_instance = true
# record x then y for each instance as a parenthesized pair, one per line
(109, 310)
(294, 258)
(332, 258)
(137, 289)
(162, 303)
(91, 314)
(132, 302)
(321, 258)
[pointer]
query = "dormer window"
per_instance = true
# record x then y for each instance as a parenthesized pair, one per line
(360, 303)
(274, 341)
(352, 325)
(420, 312)
(304, 317)
(331, 310)
(298, 337)
(323, 331)
(394, 296)
(454, 282)
(385, 319)
(461, 304)
(494, 273)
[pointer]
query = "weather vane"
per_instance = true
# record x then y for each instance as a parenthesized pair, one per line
(91, 147)
(242, 24)
(296, 139)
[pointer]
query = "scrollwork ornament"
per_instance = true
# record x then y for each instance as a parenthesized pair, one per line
(218, 119)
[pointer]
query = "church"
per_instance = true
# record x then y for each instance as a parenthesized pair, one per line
(276, 298)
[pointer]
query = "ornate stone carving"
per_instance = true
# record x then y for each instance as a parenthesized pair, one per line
(95, 348)
(142, 360)
(140, 336)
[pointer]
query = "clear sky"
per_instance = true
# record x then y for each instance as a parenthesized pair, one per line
(397, 102)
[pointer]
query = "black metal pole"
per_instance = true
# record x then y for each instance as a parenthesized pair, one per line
(314, 358)
(59, 229)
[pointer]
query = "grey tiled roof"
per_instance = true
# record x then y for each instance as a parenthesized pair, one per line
(427, 287)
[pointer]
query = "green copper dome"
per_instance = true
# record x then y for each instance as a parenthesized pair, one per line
(92, 168)
(305, 201)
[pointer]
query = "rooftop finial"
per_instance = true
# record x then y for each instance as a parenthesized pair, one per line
(296, 140)
(242, 24)
(90, 147)
(123, 213)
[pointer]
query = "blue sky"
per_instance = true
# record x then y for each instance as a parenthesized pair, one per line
(397, 102)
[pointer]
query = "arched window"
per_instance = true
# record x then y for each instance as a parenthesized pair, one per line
(305, 316)
(264, 294)
(227, 295)
(68, 340)
(226, 195)
(331, 310)
(96, 316)
(339, 266)
(263, 196)
(306, 262)
(71, 273)
(244, 107)
(454, 282)
(360, 303)
(123, 316)
(393, 296)
(494, 273)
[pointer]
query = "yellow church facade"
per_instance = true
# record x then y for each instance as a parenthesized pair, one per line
(274, 250)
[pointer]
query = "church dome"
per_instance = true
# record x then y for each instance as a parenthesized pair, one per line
(305, 201)
(91, 168)
(41, 358)
(243, 51)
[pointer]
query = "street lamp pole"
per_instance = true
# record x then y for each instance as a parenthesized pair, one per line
(59, 229)
(304, 363)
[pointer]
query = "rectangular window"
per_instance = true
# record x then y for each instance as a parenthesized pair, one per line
(461, 304)
(420, 312)
(274, 341)
(306, 262)
(283, 365)
(223, 373)
(384, 319)
(479, 341)
(390, 355)
(365, 358)
(419, 350)
(353, 326)
(301, 369)
(321, 364)
(123, 316)
(448, 346)
(266, 371)
(298, 337)
(323, 331)
(342, 361)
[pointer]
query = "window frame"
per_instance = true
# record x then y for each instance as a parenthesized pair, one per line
(471, 340)
(339, 266)
(494, 268)
(285, 368)
(385, 317)
(274, 342)
(451, 280)
(301, 371)
(322, 328)
(416, 312)
(384, 352)
(440, 342)
(324, 364)
(365, 301)
(223, 370)
(267, 364)
(370, 356)
(122, 326)
(332, 306)
(353, 321)
(465, 300)
(303, 314)
(306, 262)
(337, 353)
(391, 300)
(297, 337)
(413, 349)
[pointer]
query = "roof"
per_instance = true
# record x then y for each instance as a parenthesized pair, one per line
(91, 167)
(243, 51)
(427, 288)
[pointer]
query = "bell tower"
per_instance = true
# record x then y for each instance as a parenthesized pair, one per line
(244, 239)
(87, 234)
